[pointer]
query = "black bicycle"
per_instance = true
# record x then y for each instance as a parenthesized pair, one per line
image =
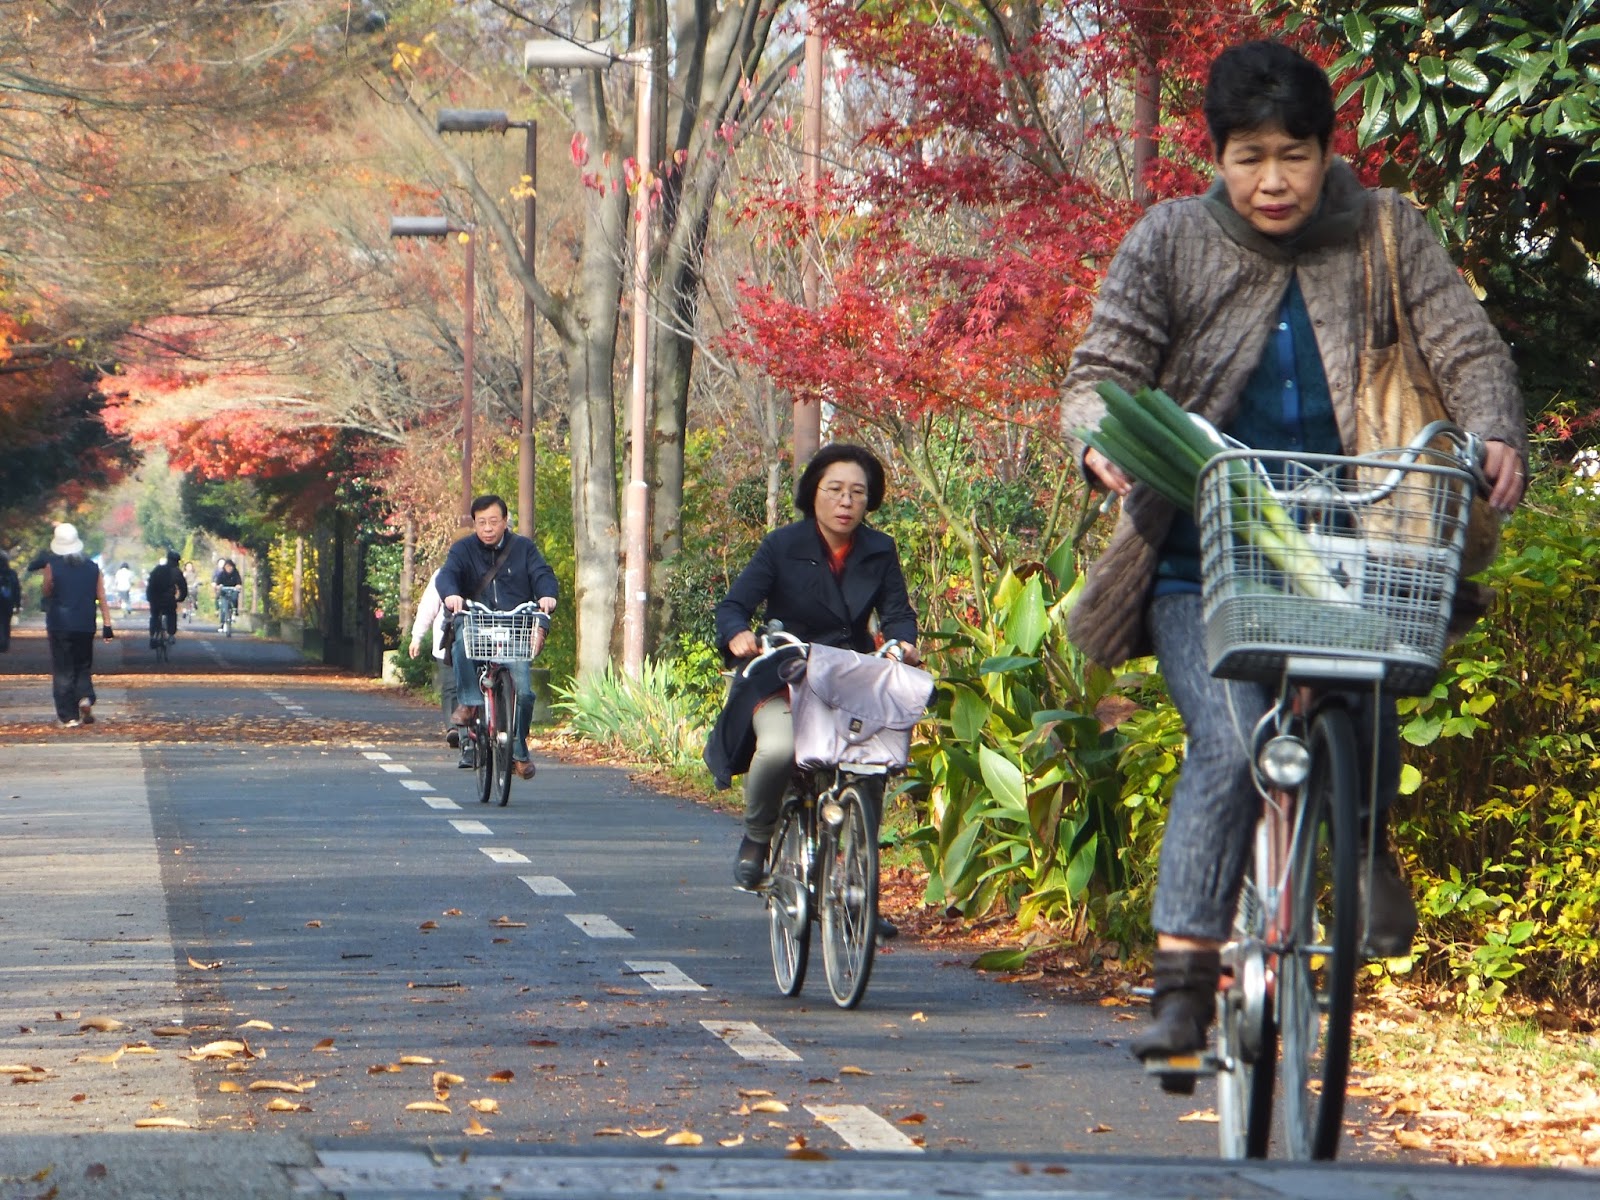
(494, 639)
(1352, 604)
(853, 716)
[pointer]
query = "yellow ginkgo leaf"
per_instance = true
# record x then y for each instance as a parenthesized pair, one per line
(279, 1104)
(276, 1085)
(730, 1143)
(649, 1133)
(101, 1025)
(445, 1079)
(101, 1058)
(853, 1071)
(416, 1060)
(161, 1123)
(255, 1025)
(684, 1137)
(139, 1048)
(432, 1106)
(769, 1106)
(485, 1105)
(228, 1085)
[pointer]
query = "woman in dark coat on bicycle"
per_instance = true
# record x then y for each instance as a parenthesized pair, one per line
(824, 577)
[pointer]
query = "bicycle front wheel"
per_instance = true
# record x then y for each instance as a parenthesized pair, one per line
(1317, 970)
(848, 890)
(505, 706)
(789, 903)
(483, 750)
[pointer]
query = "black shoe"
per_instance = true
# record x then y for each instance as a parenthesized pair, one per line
(1185, 1004)
(469, 757)
(750, 865)
(452, 737)
(1393, 922)
(886, 929)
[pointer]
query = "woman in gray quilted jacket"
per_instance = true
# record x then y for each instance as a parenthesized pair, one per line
(1247, 305)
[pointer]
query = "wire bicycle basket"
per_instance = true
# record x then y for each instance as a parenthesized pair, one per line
(502, 637)
(1352, 558)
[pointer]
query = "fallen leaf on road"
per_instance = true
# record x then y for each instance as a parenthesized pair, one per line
(446, 1079)
(101, 1058)
(649, 1133)
(1098, 1129)
(279, 1104)
(502, 1077)
(730, 1143)
(313, 924)
(451, 912)
(508, 923)
(753, 1093)
(769, 1106)
(475, 1128)
(384, 1069)
(484, 1105)
(429, 925)
(161, 1123)
(916, 1016)
(255, 1025)
(1413, 1140)
(684, 1137)
(432, 1106)
(1206, 1116)
(326, 1045)
(853, 1071)
(913, 1118)
(416, 1060)
(169, 1031)
(228, 1085)
(139, 1048)
(101, 1025)
(200, 966)
(276, 1085)
(223, 1049)
(610, 1131)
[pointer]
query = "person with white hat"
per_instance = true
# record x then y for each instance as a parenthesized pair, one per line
(73, 588)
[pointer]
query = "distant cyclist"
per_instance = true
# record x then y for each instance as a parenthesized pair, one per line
(164, 590)
(227, 576)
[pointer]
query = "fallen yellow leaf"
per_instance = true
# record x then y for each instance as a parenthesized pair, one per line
(1207, 1116)
(279, 1104)
(445, 1079)
(170, 1031)
(384, 1069)
(313, 924)
(730, 1143)
(139, 1048)
(752, 1093)
(228, 1085)
(276, 1085)
(101, 1025)
(200, 966)
(684, 1137)
(769, 1106)
(255, 1025)
(853, 1071)
(432, 1106)
(476, 1129)
(101, 1058)
(484, 1105)
(916, 1016)
(161, 1123)
(416, 1060)
(649, 1133)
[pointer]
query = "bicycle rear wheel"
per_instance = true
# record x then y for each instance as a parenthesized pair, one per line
(848, 897)
(505, 707)
(161, 647)
(483, 750)
(1316, 972)
(789, 902)
(1247, 1039)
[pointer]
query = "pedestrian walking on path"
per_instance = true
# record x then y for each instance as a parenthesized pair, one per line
(10, 597)
(73, 589)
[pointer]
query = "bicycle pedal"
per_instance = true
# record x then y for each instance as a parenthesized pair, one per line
(1191, 1066)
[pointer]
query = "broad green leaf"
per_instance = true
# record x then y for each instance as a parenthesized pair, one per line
(1081, 869)
(1462, 20)
(1358, 31)
(1467, 75)
(1003, 778)
(1410, 780)
(1476, 134)
(1431, 69)
(969, 713)
(1002, 960)
(1063, 564)
(1004, 664)
(959, 858)
(1406, 107)
(1027, 624)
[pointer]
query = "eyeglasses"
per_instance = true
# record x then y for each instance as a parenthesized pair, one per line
(838, 492)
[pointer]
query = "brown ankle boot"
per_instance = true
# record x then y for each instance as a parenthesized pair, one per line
(1181, 1013)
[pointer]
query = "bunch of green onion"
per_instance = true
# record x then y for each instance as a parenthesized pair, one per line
(1154, 441)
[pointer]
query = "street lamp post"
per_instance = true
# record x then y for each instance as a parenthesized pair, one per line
(485, 120)
(591, 56)
(438, 227)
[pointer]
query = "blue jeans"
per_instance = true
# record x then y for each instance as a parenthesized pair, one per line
(469, 693)
(1211, 823)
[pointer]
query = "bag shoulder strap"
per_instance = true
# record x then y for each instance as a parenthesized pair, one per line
(494, 568)
(1386, 232)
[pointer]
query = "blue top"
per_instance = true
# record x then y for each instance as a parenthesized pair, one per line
(73, 595)
(1285, 405)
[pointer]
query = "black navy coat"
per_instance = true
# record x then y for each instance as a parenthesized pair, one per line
(789, 575)
(523, 576)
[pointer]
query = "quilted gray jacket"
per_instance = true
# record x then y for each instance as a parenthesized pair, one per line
(1187, 306)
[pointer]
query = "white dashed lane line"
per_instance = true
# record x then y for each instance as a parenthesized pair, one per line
(863, 1129)
(663, 976)
(374, 756)
(545, 885)
(416, 785)
(749, 1040)
(440, 802)
(504, 854)
(598, 925)
(394, 768)
(473, 827)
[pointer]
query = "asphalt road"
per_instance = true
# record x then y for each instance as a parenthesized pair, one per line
(276, 881)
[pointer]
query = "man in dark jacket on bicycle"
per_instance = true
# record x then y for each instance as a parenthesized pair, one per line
(165, 589)
(499, 570)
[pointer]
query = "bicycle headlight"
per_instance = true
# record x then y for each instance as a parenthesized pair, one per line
(1285, 761)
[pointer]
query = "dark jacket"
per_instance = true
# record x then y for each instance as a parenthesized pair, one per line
(165, 587)
(227, 577)
(74, 594)
(731, 743)
(790, 576)
(523, 576)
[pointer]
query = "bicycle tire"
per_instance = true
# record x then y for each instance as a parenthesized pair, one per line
(848, 897)
(1316, 972)
(161, 648)
(505, 707)
(483, 749)
(789, 902)
(1247, 1038)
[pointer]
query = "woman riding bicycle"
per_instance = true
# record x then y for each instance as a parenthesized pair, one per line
(824, 577)
(1247, 305)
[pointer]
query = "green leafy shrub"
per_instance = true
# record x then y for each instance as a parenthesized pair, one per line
(654, 718)
(1500, 821)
